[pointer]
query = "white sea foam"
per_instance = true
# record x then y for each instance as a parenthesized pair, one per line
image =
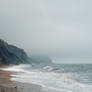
(17, 68)
(57, 82)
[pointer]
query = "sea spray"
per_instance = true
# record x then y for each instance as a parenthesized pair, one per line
(50, 80)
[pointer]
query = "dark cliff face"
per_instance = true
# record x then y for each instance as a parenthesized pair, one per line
(10, 54)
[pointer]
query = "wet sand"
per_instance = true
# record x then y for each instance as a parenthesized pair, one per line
(6, 85)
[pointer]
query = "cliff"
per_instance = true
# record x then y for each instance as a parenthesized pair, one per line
(41, 60)
(10, 54)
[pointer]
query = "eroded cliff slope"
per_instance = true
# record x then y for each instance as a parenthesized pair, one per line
(10, 54)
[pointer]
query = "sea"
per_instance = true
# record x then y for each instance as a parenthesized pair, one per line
(55, 78)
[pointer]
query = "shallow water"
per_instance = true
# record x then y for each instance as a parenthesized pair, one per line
(57, 78)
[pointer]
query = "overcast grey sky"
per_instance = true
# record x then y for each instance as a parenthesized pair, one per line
(61, 28)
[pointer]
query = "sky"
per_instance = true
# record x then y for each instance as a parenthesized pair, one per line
(57, 28)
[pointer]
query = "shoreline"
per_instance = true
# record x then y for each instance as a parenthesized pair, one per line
(6, 85)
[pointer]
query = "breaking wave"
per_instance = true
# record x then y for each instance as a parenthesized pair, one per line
(50, 80)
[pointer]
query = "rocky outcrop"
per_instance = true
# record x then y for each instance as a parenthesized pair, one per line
(10, 54)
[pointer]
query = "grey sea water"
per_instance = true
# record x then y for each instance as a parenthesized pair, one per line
(56, 78)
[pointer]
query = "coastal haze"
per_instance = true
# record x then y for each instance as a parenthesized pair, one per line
(45, 46)
(60, 29)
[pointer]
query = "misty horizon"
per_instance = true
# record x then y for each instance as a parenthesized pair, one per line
(56, 28)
